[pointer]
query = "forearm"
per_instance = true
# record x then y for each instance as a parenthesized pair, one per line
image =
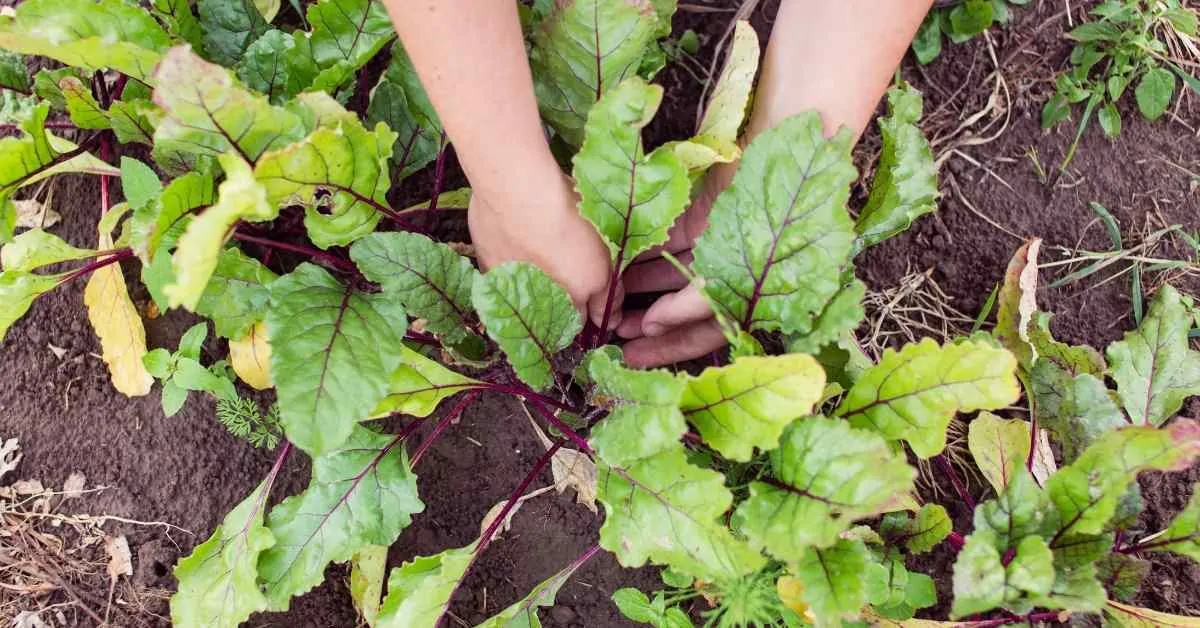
(471, 59)
(835, 56)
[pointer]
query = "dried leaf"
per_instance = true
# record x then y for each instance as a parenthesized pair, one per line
(32, 214)
(120, 563)
(1043, 459)
(74, 485)
(116, 321)
(28, 487)
(9, 458)
(494, 512)
(1018, 302)
(571, 469)
(250, 357)
(58, 352)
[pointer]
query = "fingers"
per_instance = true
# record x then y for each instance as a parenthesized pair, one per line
(631, 326)
(675, 309)
(657, 275)
(679, 344)
(595, 307)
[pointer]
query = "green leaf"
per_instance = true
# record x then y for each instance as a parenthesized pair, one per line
(823, 476)
(1153, 366)
(1076, 590)
(218, 580)
(529, 315)
(1018, 302)
(419, 385)
(1183, 535)
(1019, 511)
(921, 533)
(1077, 409)
(1110, 120)
(982, 582)
(45, 85)
(208, 112)
(1000, 447)
(180, 21)
(1070, 358)
(240, 197)
(631, 198)
(665, 510)
(841, 316)
(139, 183)
(91, 34)
(193, 341)
(345, 35)
(635, 606)
(1125, 616)
(14, 74)
(747, 404)
(927, 44)
(333, 350)
(524, 613)
(419, 590)
(274, 65)
(134, 121)
(229, 27)
(1153, 92)
(583, 49)
(191, 375)
(361, 493)
(237, 294)
(367, 571)
(912, 394)
(1122, 574)
(832, 578)
(173, 398)
(158, 363)
(17, 292)
(779, 236)
(400, 101)
(431, 280)
(644, 417)
(1086, 493)
(36, 248)
(905, 185)
(969, 19)
(343, 159)
(85, 112)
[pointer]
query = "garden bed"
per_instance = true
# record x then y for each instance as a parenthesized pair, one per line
(188, 471)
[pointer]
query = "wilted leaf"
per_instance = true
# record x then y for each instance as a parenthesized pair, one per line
(361, 494)
(33, 214)
(240, 197)
(823, 476)
(726, 108)
(250, 357)
(419, 385)
(120, 563)
(368, 567)
(432, 281)
(333, 350)
(583, 49)
(912, 394)
(631, 198)
(116, 322)
(529, 315)
(747, 404)
(1153, 366)
(218, 581)
(1125, 616)
(776, 268)
(1018, 302)
(905, 186)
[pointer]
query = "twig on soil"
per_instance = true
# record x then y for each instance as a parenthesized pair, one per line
(917, 307)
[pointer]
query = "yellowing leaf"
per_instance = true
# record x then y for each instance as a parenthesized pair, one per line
(1127, 616)
(116, 321)
(368, 568)
(1018, 302)
(1000, 447)
(790, 591)
(250, 357)
(725, 110)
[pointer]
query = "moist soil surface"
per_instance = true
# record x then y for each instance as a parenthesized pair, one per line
(188, 471)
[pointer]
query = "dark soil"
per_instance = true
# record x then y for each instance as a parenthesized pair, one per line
(188, 471)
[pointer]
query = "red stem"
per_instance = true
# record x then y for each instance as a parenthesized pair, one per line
(270, 481)
(1031, 619)
(49, 125)
(1033, 441)
(958, 486)
(441, 426)
(422, 338)
(91, 267)
(316, 254)
(529, 394)
(558, 424)
(956, 540)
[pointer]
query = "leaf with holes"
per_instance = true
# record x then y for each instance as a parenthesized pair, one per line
(362, 493)
(663, 509)
(333, 350)
(747, 404)
(905, 186)
(913, 393)
(340, 157)
(823, 476)
(1153, 366)
(779, 236)
(583, 49)
(218, 581)
(529, 315)
(630, 197)
(431, 280)
(89, 34)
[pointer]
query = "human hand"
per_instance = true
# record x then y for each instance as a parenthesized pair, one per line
(679, 325)
(539, 223)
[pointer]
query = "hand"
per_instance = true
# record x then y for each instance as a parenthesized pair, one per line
(539, 223)
(679, 325)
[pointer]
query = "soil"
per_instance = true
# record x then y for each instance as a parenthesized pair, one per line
(188, 471)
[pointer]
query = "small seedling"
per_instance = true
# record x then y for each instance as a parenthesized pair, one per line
(959, 23)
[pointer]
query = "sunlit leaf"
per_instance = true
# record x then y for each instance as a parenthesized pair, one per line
(361, 493)
(116, 322)
(1153, 366)
(1000, 447)
(832, 579)
(823, 476)
(419, 385)
(529, 315)
(419, 590)
(36, 248)
(726, 109)
(913, 393)
(779, 236)
(747, 404)
(250, 357)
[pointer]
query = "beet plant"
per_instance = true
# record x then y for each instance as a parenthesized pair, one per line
(778, 486)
